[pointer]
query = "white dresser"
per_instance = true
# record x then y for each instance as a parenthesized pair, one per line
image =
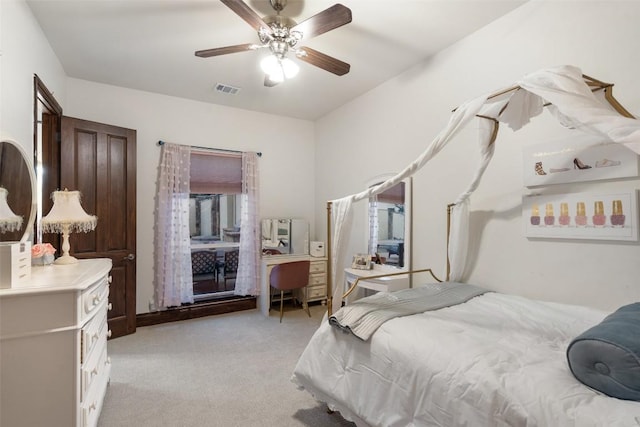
(317, 288)
(54, 368)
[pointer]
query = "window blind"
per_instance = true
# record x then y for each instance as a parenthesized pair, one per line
(216, 173)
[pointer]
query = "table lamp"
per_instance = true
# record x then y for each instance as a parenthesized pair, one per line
(9, 221)
(66, 216)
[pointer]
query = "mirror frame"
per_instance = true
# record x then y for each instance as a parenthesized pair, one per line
(408, 228)
(28, 224)
(294, 239)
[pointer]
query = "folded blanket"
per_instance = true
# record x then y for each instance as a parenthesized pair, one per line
(363, 317)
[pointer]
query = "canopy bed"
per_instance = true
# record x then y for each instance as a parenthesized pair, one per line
(448, 353)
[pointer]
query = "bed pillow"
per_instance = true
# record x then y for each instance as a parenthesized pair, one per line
(607, 356)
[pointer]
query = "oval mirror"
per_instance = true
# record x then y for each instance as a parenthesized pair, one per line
(17, 193)
(389, 224)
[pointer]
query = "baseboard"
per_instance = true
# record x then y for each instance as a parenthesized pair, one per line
(199, 309)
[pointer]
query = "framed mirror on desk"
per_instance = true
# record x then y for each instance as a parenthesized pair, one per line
(285, 236)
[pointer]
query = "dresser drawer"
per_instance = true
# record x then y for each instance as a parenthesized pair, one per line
(315, 292)
(317, 267)
(93, 297)
(94, 368)
(317, 279)
(91, 406)
(91, 333)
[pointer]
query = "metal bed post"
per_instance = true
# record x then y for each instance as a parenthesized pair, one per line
(329, 262)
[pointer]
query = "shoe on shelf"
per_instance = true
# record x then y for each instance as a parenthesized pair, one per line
(539, 170)
(578, 164)
(606, 162)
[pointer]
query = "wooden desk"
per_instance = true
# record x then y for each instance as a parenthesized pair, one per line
(316, 290)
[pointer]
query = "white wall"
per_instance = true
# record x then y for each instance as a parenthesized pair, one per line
(390, 126)
(383, 131)
(286, 168)
(24, 52)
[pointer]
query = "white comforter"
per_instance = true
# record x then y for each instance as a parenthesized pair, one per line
(496, 360)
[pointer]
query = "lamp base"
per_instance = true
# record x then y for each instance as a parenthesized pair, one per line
(66, 260)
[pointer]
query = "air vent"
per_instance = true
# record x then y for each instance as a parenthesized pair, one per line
(231, 90)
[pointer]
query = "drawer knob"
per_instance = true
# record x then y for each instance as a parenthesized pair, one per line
(110, 307)
(109, 333)
(110, 279)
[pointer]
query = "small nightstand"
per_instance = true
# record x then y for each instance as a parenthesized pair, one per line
(383, 284)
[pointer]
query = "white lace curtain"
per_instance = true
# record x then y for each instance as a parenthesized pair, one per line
(373, 225)
(172, 261)
(248, 276)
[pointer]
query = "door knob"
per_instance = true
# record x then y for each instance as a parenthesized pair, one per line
(129, 257)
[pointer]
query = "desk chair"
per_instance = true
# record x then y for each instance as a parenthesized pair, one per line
(287, 277)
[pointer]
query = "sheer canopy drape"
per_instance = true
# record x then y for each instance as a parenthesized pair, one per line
(573, 103)
(248, 277)
(341, 226)
(172, 261)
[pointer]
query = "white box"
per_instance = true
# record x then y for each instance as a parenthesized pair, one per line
(316, 249)
(15, 263)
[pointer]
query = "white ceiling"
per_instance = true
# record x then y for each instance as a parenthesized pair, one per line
(149, 45)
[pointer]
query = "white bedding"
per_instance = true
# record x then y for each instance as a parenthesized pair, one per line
(496, 360)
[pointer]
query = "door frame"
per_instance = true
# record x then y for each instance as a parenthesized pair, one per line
(44, 99)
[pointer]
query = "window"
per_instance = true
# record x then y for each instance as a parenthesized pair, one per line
(214, 221)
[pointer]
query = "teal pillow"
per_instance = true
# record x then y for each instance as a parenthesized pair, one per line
(607, 356)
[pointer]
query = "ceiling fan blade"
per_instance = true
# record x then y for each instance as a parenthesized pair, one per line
(245, 12)
(224, 50)
(323, 61)
(268, 82)
(327, 20)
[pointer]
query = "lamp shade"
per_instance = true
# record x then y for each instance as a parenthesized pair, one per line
(67, 212)
(9, 221)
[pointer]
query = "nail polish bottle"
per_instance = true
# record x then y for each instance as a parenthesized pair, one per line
(581, 217)
(617, 218)
(598, 214)
(549, 219)
(564, 218)
(535, 215)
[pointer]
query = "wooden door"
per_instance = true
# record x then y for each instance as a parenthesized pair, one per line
(99, 160)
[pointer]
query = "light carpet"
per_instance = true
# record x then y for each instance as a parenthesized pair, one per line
(226, 370)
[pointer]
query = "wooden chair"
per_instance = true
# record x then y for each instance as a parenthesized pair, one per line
(203, 265)
(230, 265)
(205, 272)
(289, 276)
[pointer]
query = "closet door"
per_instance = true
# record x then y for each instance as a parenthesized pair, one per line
(99, 160)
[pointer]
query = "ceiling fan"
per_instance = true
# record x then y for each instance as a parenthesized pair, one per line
(282, 34)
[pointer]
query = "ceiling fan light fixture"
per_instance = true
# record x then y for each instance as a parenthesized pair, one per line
(269, 64)
(290, 68)
(282, 34)
(278, 69)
